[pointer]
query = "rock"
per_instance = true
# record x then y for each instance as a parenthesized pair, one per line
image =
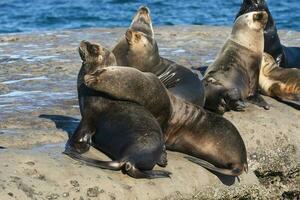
(36, 124)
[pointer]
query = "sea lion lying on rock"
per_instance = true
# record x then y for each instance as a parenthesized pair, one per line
(280, 83)
(123, 130)
(139, 49)
(287, 57)
(188, 128)
(233, 77)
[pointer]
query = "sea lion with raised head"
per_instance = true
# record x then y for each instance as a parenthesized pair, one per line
(139, 49)
(212, 140)
(287, 57)
(123, 130)
(232, 78)
(280, 83)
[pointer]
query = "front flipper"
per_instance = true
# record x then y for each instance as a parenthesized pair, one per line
(233, 100)
(259, 101)
(163, 161)
(167, 78)
(235, 171)
(80, 141)
(151, 174)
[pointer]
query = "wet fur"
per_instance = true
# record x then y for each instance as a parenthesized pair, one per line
(189, 128)
(139, 49)
(233, 77)
(279, 83)
(117, 128)
(287, 57)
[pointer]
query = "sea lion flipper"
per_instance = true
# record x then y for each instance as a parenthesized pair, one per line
(167, 78)
(259, 101)
(209, 166)
(294, 104)
(163, 160)
(112, 165)
(136, 173)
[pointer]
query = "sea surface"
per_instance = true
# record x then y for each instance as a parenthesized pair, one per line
(44, 15)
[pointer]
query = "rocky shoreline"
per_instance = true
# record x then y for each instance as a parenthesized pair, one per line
(39, 109)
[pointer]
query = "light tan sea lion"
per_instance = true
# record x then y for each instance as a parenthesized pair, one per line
(279, 83)
(233, 77)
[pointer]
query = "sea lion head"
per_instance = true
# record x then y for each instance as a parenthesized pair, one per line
(94, 55)
(124, 83)
(248, 30)
(142, 21)
(252, 5)
(143, 51)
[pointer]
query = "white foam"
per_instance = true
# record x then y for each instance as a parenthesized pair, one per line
(25, 79)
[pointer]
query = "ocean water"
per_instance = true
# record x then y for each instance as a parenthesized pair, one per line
(41, 15)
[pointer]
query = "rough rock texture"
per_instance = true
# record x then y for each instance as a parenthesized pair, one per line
(39, 108)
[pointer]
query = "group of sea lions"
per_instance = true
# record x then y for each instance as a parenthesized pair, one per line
(135, 104)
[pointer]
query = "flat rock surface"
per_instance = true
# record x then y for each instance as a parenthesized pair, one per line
(39, 109)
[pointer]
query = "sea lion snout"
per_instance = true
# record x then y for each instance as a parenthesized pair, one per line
(143, 10)
(261, 16)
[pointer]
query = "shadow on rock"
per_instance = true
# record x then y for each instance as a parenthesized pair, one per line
(68, 124)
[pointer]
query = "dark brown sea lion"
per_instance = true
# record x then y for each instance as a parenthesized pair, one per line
(288, 57)
(211, 139)
(233, 77)
(280, 83)
(123, 130)
(139, 49)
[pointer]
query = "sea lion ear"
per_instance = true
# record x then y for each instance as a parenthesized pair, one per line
(128, 36)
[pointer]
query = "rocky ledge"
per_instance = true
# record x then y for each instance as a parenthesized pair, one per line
(39, 109)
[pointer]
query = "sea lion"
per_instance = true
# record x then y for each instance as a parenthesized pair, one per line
(280, 83)
(123, 130)
(233, 77)
(287, 57)
(212, 140)
(139, 49)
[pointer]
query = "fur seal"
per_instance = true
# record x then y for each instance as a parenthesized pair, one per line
(212, 140)
(233, 77)
(287, 57)
(123, 130)
(280, 83)
(139, 49)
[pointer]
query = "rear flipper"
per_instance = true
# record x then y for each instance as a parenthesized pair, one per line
(127, 167)
(151, 174)
(235, 171)
(283, 96)
(112, 165)
(1, 147)
(259, 101)
(294, 104)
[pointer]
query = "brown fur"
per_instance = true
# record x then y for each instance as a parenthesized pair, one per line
(188, 129)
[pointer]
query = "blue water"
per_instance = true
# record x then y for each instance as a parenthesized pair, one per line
(40, 15)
